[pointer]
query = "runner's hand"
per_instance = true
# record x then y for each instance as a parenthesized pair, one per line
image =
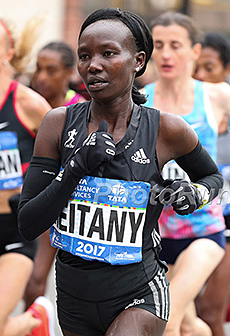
(184, 196)
(98, 148)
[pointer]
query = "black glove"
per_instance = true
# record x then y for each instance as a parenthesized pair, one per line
(182, 195)
(98, 148)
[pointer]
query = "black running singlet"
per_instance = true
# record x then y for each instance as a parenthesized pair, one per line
(12, 126)
(135, 158)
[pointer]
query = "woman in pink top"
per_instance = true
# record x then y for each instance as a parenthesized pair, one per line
(21, 113)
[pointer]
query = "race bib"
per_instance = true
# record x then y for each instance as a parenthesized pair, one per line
(10, 162)
(103, 221)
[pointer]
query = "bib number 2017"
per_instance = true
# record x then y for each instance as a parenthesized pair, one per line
(90, 248)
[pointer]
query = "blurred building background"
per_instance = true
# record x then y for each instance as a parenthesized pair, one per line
(62, 18)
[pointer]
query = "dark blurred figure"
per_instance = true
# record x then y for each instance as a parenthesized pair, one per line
(55, 67)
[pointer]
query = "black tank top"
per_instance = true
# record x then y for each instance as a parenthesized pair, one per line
(10, 122)
(135, 158)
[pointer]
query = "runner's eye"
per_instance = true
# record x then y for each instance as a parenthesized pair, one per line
(83, 56)
(109, 53)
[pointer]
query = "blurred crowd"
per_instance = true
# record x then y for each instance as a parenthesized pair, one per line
(55, 82)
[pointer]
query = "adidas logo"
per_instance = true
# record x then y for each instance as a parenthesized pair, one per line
(140, 157)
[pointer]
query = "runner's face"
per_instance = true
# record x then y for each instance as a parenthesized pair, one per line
(51, 77)
(209, 67)
(173, 52)
(107, 59)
